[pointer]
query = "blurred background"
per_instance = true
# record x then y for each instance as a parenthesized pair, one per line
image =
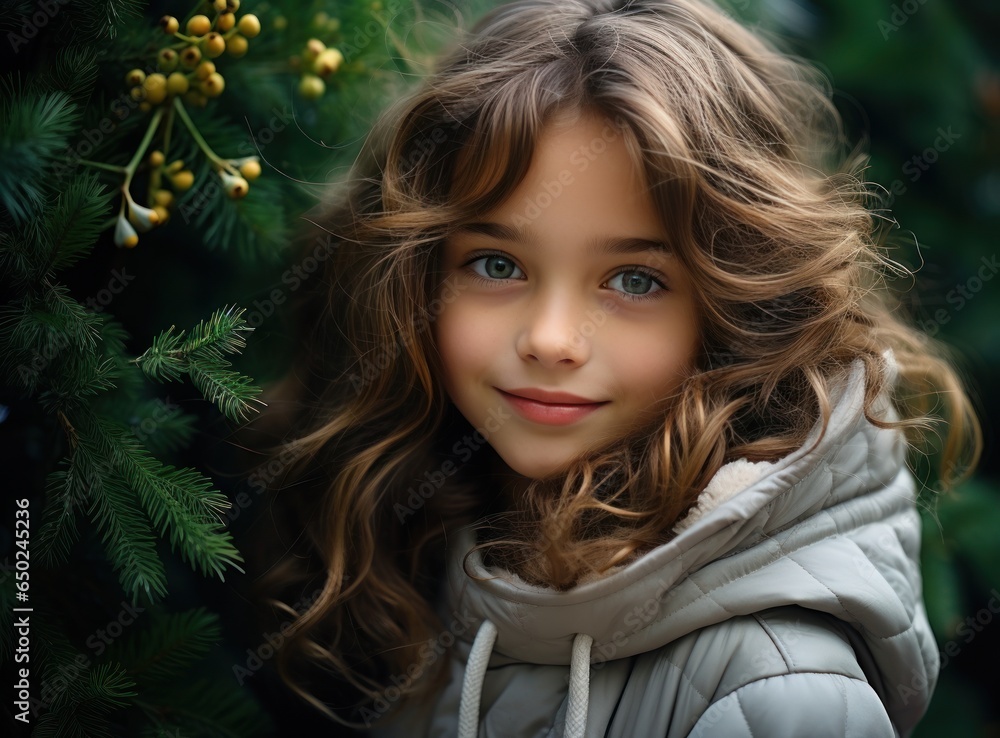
(917, 81)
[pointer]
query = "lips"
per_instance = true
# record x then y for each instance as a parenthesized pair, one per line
(550, 408)
(551, 397)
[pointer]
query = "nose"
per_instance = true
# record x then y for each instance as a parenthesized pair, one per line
(552, 333)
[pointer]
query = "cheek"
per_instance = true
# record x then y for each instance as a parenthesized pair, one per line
(459, 336)
(655, 368)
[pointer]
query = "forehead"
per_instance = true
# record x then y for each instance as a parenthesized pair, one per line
(499, 150)
(578, 183)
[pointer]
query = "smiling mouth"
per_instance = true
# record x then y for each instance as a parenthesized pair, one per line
(550, 413)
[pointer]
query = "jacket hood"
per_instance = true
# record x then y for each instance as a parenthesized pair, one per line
(832, 528)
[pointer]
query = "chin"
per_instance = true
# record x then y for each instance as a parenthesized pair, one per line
(535, 468)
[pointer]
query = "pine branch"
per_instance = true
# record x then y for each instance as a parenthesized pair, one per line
(200, 355)
(128, 538)
(83, 377)
(107, 688)
(20, 252)
(164, 360)
(222, 333)
(178, 501)
(73, 224)
(33, 128)
(169, 644)
(74, 71)
(43, 332)
(58, 531)
(103, 19)
(230, 391)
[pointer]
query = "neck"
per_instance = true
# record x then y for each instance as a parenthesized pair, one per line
(509, 485)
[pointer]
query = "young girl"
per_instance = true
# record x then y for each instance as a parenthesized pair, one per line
(608, 402)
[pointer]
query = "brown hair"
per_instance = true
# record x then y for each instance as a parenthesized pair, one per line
(742, 146)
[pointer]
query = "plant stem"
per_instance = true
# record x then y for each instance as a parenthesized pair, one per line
(143, 145)
(168, 127)
(155, 174)
(202, 144)
(100, 165)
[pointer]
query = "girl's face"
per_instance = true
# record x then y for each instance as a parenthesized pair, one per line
(564, 289)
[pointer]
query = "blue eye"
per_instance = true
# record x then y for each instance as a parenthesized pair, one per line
(496, 267)
(636, 284)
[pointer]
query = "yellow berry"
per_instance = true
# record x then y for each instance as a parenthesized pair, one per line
(237, 45)
(236, 187)
(166, 61)
(250, 169)
(333, 25)
(314, 47)
(232, 6)
(204, 70)
(191, 56)
(125, 234)
(169, 24)
(376, 5)
(156, 88)
(135, 77)
(175, 166)
(280, 23)
(196, 97)
(214, 85)
(249, 25)
(219, 5)
(311, 87)
(156, 158)
(163, 198)
(320, 19)
(225, 21)
(214, 44)
(145, 107)
(328, 62)
(183, 180)
(177, 84)
(142, 218)
(161, 213)
(199, 25)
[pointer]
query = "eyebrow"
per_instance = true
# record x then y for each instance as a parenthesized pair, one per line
(603, 245)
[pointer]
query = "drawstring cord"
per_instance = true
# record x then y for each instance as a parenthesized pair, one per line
(475, 674)
(472, 685)
(579, 687)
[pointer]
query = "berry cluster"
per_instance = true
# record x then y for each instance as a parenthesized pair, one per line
(316, 63)
(185, 68)
(185, 71)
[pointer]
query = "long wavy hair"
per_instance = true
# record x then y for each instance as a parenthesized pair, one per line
(744, 155)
